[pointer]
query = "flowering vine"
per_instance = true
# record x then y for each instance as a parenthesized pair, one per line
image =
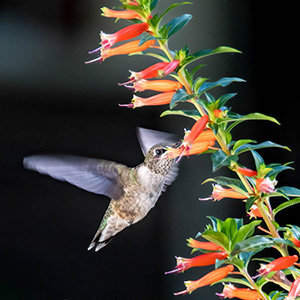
(174, 83)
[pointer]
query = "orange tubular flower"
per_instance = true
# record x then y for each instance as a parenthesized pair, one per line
(158, 99)
(196, 140)
(206, 259)
(254, 212)
(156, 85)
(220, 193)
(127, 33)
(295, 290)
(246, 171)
(277, 264)
(120, 14)
(130, 47)
(204, 245)
(265, 185)
(158, 70)
(230, 291)
(207, 279)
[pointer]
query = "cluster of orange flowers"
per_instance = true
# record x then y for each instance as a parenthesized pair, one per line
(199, 139)
(229, 291)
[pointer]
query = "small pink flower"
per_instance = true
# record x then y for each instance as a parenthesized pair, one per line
(265, 185)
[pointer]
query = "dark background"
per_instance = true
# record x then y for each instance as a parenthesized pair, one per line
(52, 102)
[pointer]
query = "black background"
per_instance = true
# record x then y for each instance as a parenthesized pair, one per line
(52, 102)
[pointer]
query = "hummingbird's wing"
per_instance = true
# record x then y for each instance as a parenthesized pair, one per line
(148, 138)
(93, 175)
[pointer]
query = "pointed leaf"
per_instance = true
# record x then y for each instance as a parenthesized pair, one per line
(237, 119)
(285, 205)
(246, 231)
(267, 144)
(290, 191)
(255, 243)
(216, 237)
(240, 143)
(221, 82)
(181, 95)
(194, 114)
(208, 52)
(221, 159)
(177, 23)
(235, 184)
(172, 6)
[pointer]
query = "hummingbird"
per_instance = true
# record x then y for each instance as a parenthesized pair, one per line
(133, 191)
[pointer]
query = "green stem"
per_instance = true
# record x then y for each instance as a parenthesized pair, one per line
(245, 273)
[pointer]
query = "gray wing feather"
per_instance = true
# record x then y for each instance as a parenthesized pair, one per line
(148, 138)
(93, 175)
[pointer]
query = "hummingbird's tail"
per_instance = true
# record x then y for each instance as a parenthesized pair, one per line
(110, 225)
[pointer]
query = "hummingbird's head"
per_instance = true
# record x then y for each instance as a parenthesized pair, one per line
(157, 160)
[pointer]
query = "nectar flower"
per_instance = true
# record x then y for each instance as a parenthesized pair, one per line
(158, 99)
(130, 47)
(127, 33)
(230, 291)
(190, 139)
(246, 171)
(206, 259)
(295, 290)
(207, 279)
(156, 85)
(120, 14)
(158, 70)
(277, 264)
(254, 212)
(220, 193)
(265, 185)
(204, 245)
(295, 241)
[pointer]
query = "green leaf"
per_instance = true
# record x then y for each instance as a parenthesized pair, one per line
(181, 96)
(198, 83)
(220, 159)
(240, 143)
(285, 205)
(172, 6)
(194, 114)
(153, 4)
(224, 98)
(221, 82)
(259, 161)
(216, 237)
(216, 223)
(255, 243)
(237, 119)
(246, 231)
(229, 228)
(246, 257)
(267, 144)
(290, 191)
(250, 201)
(176, 24)
(208, 52)
(277, 169)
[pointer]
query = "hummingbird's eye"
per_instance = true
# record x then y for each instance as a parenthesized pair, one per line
(159, 152)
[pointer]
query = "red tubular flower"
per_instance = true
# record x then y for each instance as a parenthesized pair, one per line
(158, 99)
(158, 70)
(127, 33)
(265, 185)
(295, 241)
(204, 245)
(295, 290)
(207, 279)
(277, 264)
(130, 47)
(220, 193)
(120, 14)
(206, 259)
(246, 171)
(156, 85)
(230, 291)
